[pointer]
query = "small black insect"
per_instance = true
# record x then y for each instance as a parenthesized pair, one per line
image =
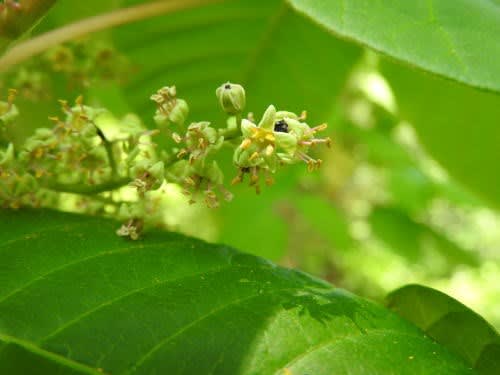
(227, 86)
(281, 126)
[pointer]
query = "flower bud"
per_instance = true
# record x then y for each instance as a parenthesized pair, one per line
(231, 98)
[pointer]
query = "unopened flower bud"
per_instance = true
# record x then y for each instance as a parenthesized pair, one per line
(231, 98)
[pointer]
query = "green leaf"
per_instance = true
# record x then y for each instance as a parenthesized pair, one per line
(457, 39)
(450, 323)
(458, 125)
(77, 299)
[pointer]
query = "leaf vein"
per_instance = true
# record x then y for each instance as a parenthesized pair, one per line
(51, 356)
(122, 296)
(62, 267)
(211, 313)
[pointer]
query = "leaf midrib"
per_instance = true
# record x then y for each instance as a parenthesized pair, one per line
(51, 356)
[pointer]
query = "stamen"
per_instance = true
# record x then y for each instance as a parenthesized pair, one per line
(176, 137)
(255, 155)
(246, 143)
(269, 150)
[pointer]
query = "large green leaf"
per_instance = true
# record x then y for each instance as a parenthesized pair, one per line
(457, 39)
(75, 299)
(450, 323)
(458, 125)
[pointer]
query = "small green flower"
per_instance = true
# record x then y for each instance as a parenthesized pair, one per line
(171, 110)
(262, 144)
(279, 138)
(131, 229)
(147, 175)
(201, 140)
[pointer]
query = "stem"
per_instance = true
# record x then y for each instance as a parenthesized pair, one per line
(116, 183)
(239, 117)
(108, 146)
(100, 22)
(231, 132)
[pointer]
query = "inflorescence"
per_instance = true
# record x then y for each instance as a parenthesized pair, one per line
(76, 156)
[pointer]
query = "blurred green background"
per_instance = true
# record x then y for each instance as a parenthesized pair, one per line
(407, 194)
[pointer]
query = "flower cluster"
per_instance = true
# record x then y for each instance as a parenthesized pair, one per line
(77, 156)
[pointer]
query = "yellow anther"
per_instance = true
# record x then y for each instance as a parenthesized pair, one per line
(181, 153)
(270, 137)
(255, 155)
(319, 128)
(177, 138)
(269, 150)
(246, 143)
(236, 180)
